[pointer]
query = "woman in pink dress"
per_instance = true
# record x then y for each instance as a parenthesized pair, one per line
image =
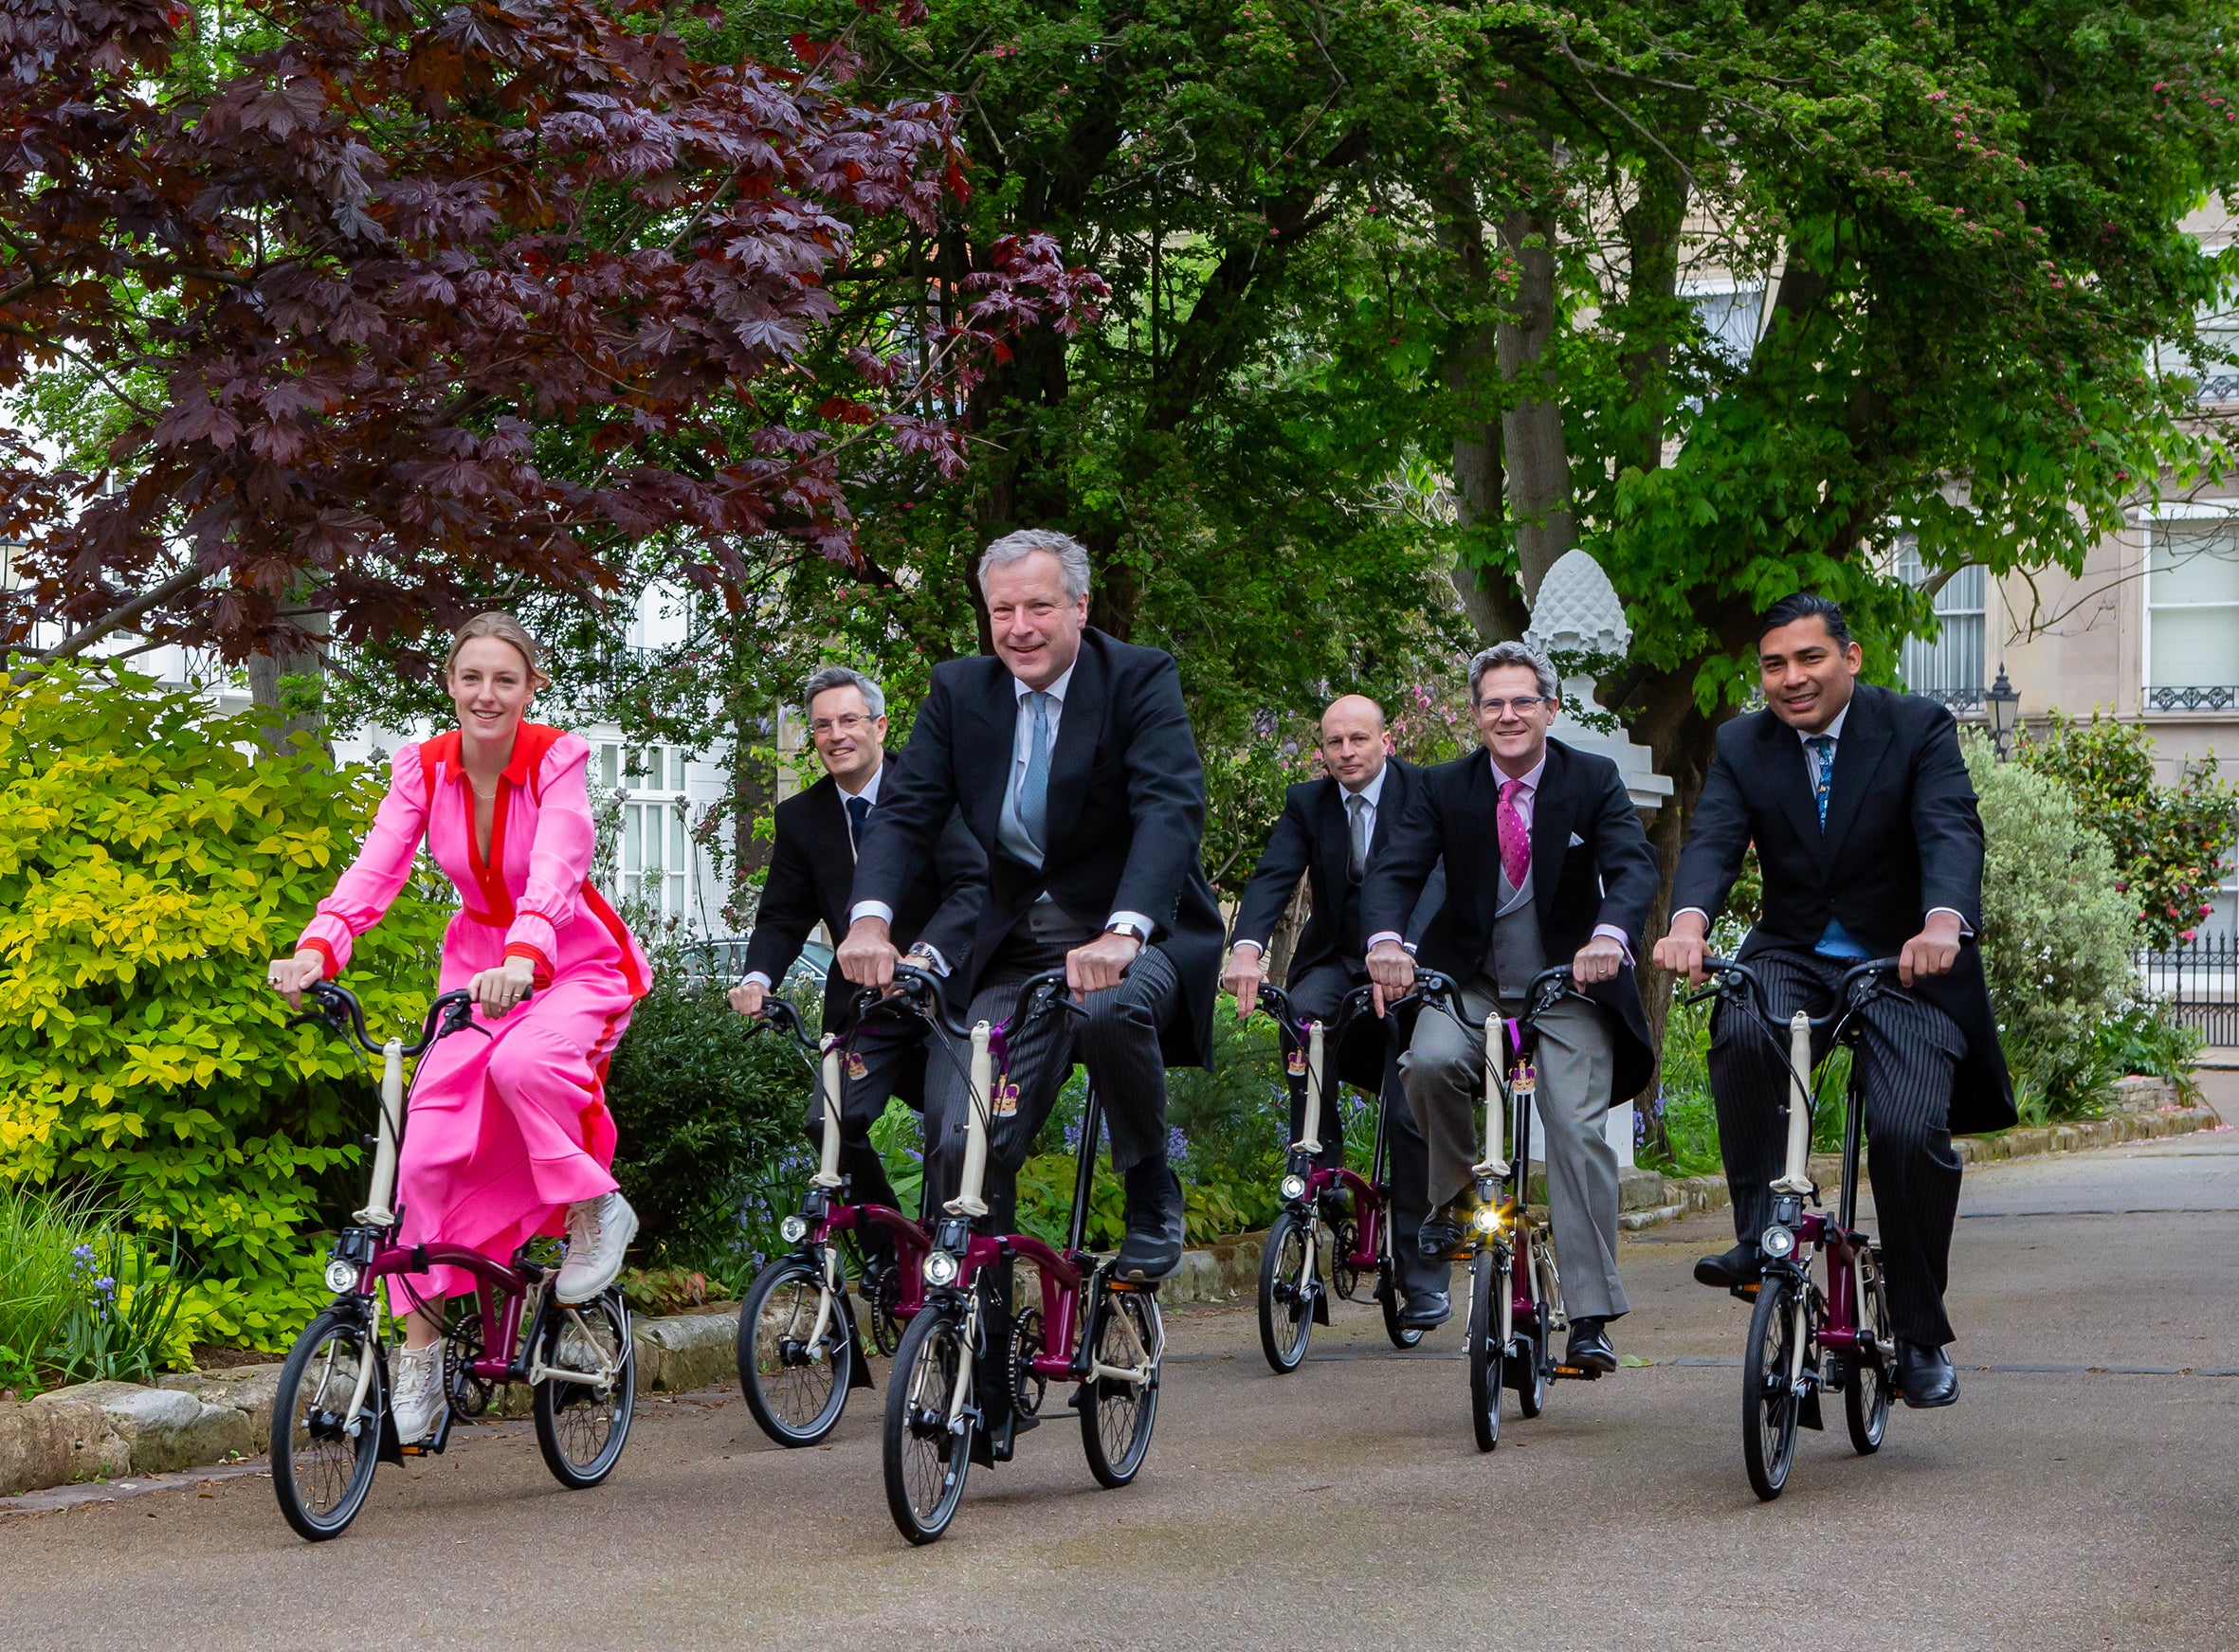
(508, 1136)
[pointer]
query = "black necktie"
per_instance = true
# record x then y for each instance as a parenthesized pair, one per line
(859, 810)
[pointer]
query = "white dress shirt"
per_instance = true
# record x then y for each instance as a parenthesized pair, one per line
(1526, 794)
(1833, 732)
(1373, 792)
(1021, 748)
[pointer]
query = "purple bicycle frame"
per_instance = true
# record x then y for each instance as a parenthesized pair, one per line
(911, 1243)
(501, 1303)
(1368, 1199)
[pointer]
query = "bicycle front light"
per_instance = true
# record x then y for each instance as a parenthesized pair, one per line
(793, 1229)
(1294, 1187)
(1486, 1219)
(1779, 1243)
(340, 1275)
(940, 1269)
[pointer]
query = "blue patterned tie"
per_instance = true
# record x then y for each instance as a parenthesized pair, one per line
(1033, 786)
(1823, 764)
(859, 810)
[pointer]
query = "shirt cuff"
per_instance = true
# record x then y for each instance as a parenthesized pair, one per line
(1698, 912)
(535, 932)
(1142, 926)
(311, 943)
(1386, 934)
(931, 954)
(329, 934)
(1237, 946)
(1966, 929)
(1616, 934)
(863, 909)
(756, 978)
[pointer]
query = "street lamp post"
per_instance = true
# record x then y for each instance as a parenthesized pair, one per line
(2003, 702)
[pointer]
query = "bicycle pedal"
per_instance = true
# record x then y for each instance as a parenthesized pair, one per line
(1746, 1293)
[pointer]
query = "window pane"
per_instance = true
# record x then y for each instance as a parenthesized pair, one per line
(676, 841)
(676, 894)
(609, 765)
(631, 855)
(2195, 564)
(2194, 648)
(653, 779)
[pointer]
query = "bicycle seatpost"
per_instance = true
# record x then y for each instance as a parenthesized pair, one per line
(380, 1200)
(1309, 1141)
(1496, 1122)
(1798, 1176)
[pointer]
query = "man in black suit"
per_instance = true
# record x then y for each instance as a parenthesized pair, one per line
(1069, 753)
(1330, 831)
(1870, 844)
(811, 870)
(1546, 864)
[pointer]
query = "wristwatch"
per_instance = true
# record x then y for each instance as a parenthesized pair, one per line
(1126, 927)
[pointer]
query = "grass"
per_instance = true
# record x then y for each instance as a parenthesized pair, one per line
(81, 1300)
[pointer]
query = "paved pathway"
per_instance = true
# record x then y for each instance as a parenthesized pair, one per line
(2082, 1493)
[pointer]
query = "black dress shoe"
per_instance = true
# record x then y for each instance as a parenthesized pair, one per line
(1589, 1348)
(1441, 1234)
(1926, 1377)
(1731, 1270)
(1423, 1310)
(1151, 1247)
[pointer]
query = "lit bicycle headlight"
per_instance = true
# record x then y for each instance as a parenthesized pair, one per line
(340, 1275)
(1486, 1219)
(1294, 1187)
(1779, 1243)
(940, 1269)
(794, 1228)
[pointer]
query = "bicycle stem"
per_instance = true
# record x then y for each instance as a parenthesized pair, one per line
(380, 1205)
(968, 1199)
(827, 1174)
(1310, 1132)
(1496, 1123)
(1798, 1179)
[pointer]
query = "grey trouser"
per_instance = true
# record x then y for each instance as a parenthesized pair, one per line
(1118, 1043)
(1443, 1072)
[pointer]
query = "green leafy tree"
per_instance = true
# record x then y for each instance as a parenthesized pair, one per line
(2169, 842)
(152, 858)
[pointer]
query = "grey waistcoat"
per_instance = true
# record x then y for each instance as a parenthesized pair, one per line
(1517, 953)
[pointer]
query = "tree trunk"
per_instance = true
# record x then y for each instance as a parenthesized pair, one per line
(1652, 309)
(1538, 461)
(1495, 607)
(295, 704)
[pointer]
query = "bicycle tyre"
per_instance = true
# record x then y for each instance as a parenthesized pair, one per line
(1769, 1406)
(795, 1392)
(580, 1430)
(1866, 1396)
(1532, 1352)
(1116, 1417)
(1286, 1292)
(1388, 1293)
(320, 1475)
(925, 1465)
(1485, 1277)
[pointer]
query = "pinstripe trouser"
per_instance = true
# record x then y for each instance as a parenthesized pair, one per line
(1119, 1044)
(1904, 1062)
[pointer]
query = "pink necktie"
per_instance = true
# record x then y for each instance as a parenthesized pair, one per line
(1516, 843)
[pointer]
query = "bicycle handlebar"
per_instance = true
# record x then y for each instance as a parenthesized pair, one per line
(921, 995)
(1276, 1002)
(1547, 989)
(341, 1013)
(1738, 982)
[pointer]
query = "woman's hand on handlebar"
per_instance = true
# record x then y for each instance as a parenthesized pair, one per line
(1097, 965)
(1683, 949)
(289, 976)
(497, 991)
(1392, 968)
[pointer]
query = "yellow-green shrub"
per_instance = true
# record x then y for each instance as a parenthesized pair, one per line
(152, 855)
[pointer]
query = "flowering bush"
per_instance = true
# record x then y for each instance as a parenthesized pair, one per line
(153, 856)
(2169, 842)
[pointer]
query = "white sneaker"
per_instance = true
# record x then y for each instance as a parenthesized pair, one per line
(599, 1232)
(419, 1397)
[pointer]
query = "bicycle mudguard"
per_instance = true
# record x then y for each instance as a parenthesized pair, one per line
(859, 1373)
(1808, 1413)
(1320, 1305)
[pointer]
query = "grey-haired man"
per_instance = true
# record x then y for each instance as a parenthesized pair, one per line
(1546, 864)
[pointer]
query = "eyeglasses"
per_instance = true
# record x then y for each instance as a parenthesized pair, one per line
(852, 722)
(1523, 704)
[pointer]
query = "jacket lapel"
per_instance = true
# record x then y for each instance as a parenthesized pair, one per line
(1333, 836)
(1390, 804)
(830, 844)
(1552, 811)
(1075, 753)
(982, 759)
(1858, 753)
(1787, 765)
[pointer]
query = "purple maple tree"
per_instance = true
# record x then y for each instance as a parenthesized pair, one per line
(400, 297)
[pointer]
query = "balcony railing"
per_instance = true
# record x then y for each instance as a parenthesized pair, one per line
(2194, 697)
(2200, 981)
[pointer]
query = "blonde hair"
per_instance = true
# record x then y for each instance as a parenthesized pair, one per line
(506, 628)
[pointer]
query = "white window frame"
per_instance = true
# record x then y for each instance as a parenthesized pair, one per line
(2178, 698)
(678, 864)
(1965, 699)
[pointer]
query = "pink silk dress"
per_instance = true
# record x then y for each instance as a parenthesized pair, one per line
(504, 1133)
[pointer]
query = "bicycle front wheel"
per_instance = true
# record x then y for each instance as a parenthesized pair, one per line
(1866, 1396)
(796, 1378)
(1769, 1409)
(1117, 1412)
(583, 1420)
(324, 1450)
(1287, 1284)
(1489, 1276)
(926, 1453)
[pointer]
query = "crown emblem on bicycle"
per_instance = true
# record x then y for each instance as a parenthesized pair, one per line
(1298, 1063)
(1004, 1101)
(857, 1067)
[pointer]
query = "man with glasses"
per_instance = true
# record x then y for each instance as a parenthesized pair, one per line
(811, 870)
(1546, 864)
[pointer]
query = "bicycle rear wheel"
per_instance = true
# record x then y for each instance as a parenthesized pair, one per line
(796, 1380)
(1489, 1276)
(1531, 1352)
(1866, 1396)
(1288, 1283)
(1769, 1408)
(582, 1425)
(925, 1459)
(1389, 1295)
(1117, 1415)
(323, 1455)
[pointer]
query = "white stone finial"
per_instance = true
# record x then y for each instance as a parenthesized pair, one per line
(1578, 610)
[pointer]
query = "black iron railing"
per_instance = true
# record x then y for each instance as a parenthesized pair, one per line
(2195, 697)
(2200, 981)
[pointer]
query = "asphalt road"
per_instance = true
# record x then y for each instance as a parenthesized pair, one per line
(2082, 1494)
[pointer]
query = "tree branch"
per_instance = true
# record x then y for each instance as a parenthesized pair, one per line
(116, 619)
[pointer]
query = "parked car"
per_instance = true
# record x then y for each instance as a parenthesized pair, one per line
(723, 958)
